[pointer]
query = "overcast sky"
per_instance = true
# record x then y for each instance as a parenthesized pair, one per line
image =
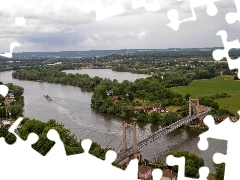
(57, 25)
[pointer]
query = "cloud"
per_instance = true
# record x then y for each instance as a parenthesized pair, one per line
(89, 42)
(142, 34)
(53, 25)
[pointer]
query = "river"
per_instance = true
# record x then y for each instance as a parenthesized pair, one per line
(71, 106)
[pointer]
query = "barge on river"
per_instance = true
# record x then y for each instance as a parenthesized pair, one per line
(47, 97)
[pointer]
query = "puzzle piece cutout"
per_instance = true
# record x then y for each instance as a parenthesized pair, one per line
(58, 148)
(157, 174)
(232, 17)
(218, 131)
(180, 162)
(224, 53)
(4, 90)
(173, 14)
(12, 46)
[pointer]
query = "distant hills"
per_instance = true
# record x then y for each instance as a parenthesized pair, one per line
(100, 53)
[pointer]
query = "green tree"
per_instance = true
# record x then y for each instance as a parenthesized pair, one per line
(236, 77)
(184, 110)
(219, 171)
(169, 118)
(142, 116)
(192, 165)
(1, 98)
(43, 145)
(9, 137)
(187, 96)
(155, 117)
(15, 110)
(3, 132)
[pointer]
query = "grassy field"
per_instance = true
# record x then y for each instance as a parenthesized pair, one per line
(222, 84)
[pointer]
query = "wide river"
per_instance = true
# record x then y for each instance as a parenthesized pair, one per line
(71, 106)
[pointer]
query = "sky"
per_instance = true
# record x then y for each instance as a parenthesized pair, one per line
(74, 25)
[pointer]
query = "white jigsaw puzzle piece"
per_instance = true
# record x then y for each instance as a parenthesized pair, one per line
(220, 54)
(232, 17)
(173, 14)
(101, 169)
(157, 174)
(20, 21)
(12, 46)
(226, 130)
(4, 90)
(12, 156)
(58, 149)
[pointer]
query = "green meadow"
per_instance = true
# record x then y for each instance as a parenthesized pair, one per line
(221, 84)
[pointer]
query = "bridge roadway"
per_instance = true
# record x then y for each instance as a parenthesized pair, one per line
(122, 155)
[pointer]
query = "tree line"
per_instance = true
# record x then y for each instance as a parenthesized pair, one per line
(11, 106)
(54, 75)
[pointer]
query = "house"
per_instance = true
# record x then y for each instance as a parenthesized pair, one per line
(169, 174)
(138, 108)
(118, 100)
(127, 93)
(220, 118)
(11, 96)
(163, 109)
(144, 172)
(159, 108)
(148, 108)
(5, 123)
(109, 92)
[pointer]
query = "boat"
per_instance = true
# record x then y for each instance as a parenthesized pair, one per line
(47, 97)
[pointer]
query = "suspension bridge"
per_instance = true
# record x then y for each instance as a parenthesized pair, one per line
(127, 154)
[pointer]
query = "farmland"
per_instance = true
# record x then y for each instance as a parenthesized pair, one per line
(221, 84)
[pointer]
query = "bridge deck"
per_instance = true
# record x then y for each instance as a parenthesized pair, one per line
(122, 155)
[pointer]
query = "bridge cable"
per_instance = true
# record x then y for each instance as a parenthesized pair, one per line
(123, 140)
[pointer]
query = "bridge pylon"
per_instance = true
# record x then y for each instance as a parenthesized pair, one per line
(136, 154)
(197, 109)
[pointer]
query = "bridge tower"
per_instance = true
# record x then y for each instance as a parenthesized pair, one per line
(195, 108)
(136, 154)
